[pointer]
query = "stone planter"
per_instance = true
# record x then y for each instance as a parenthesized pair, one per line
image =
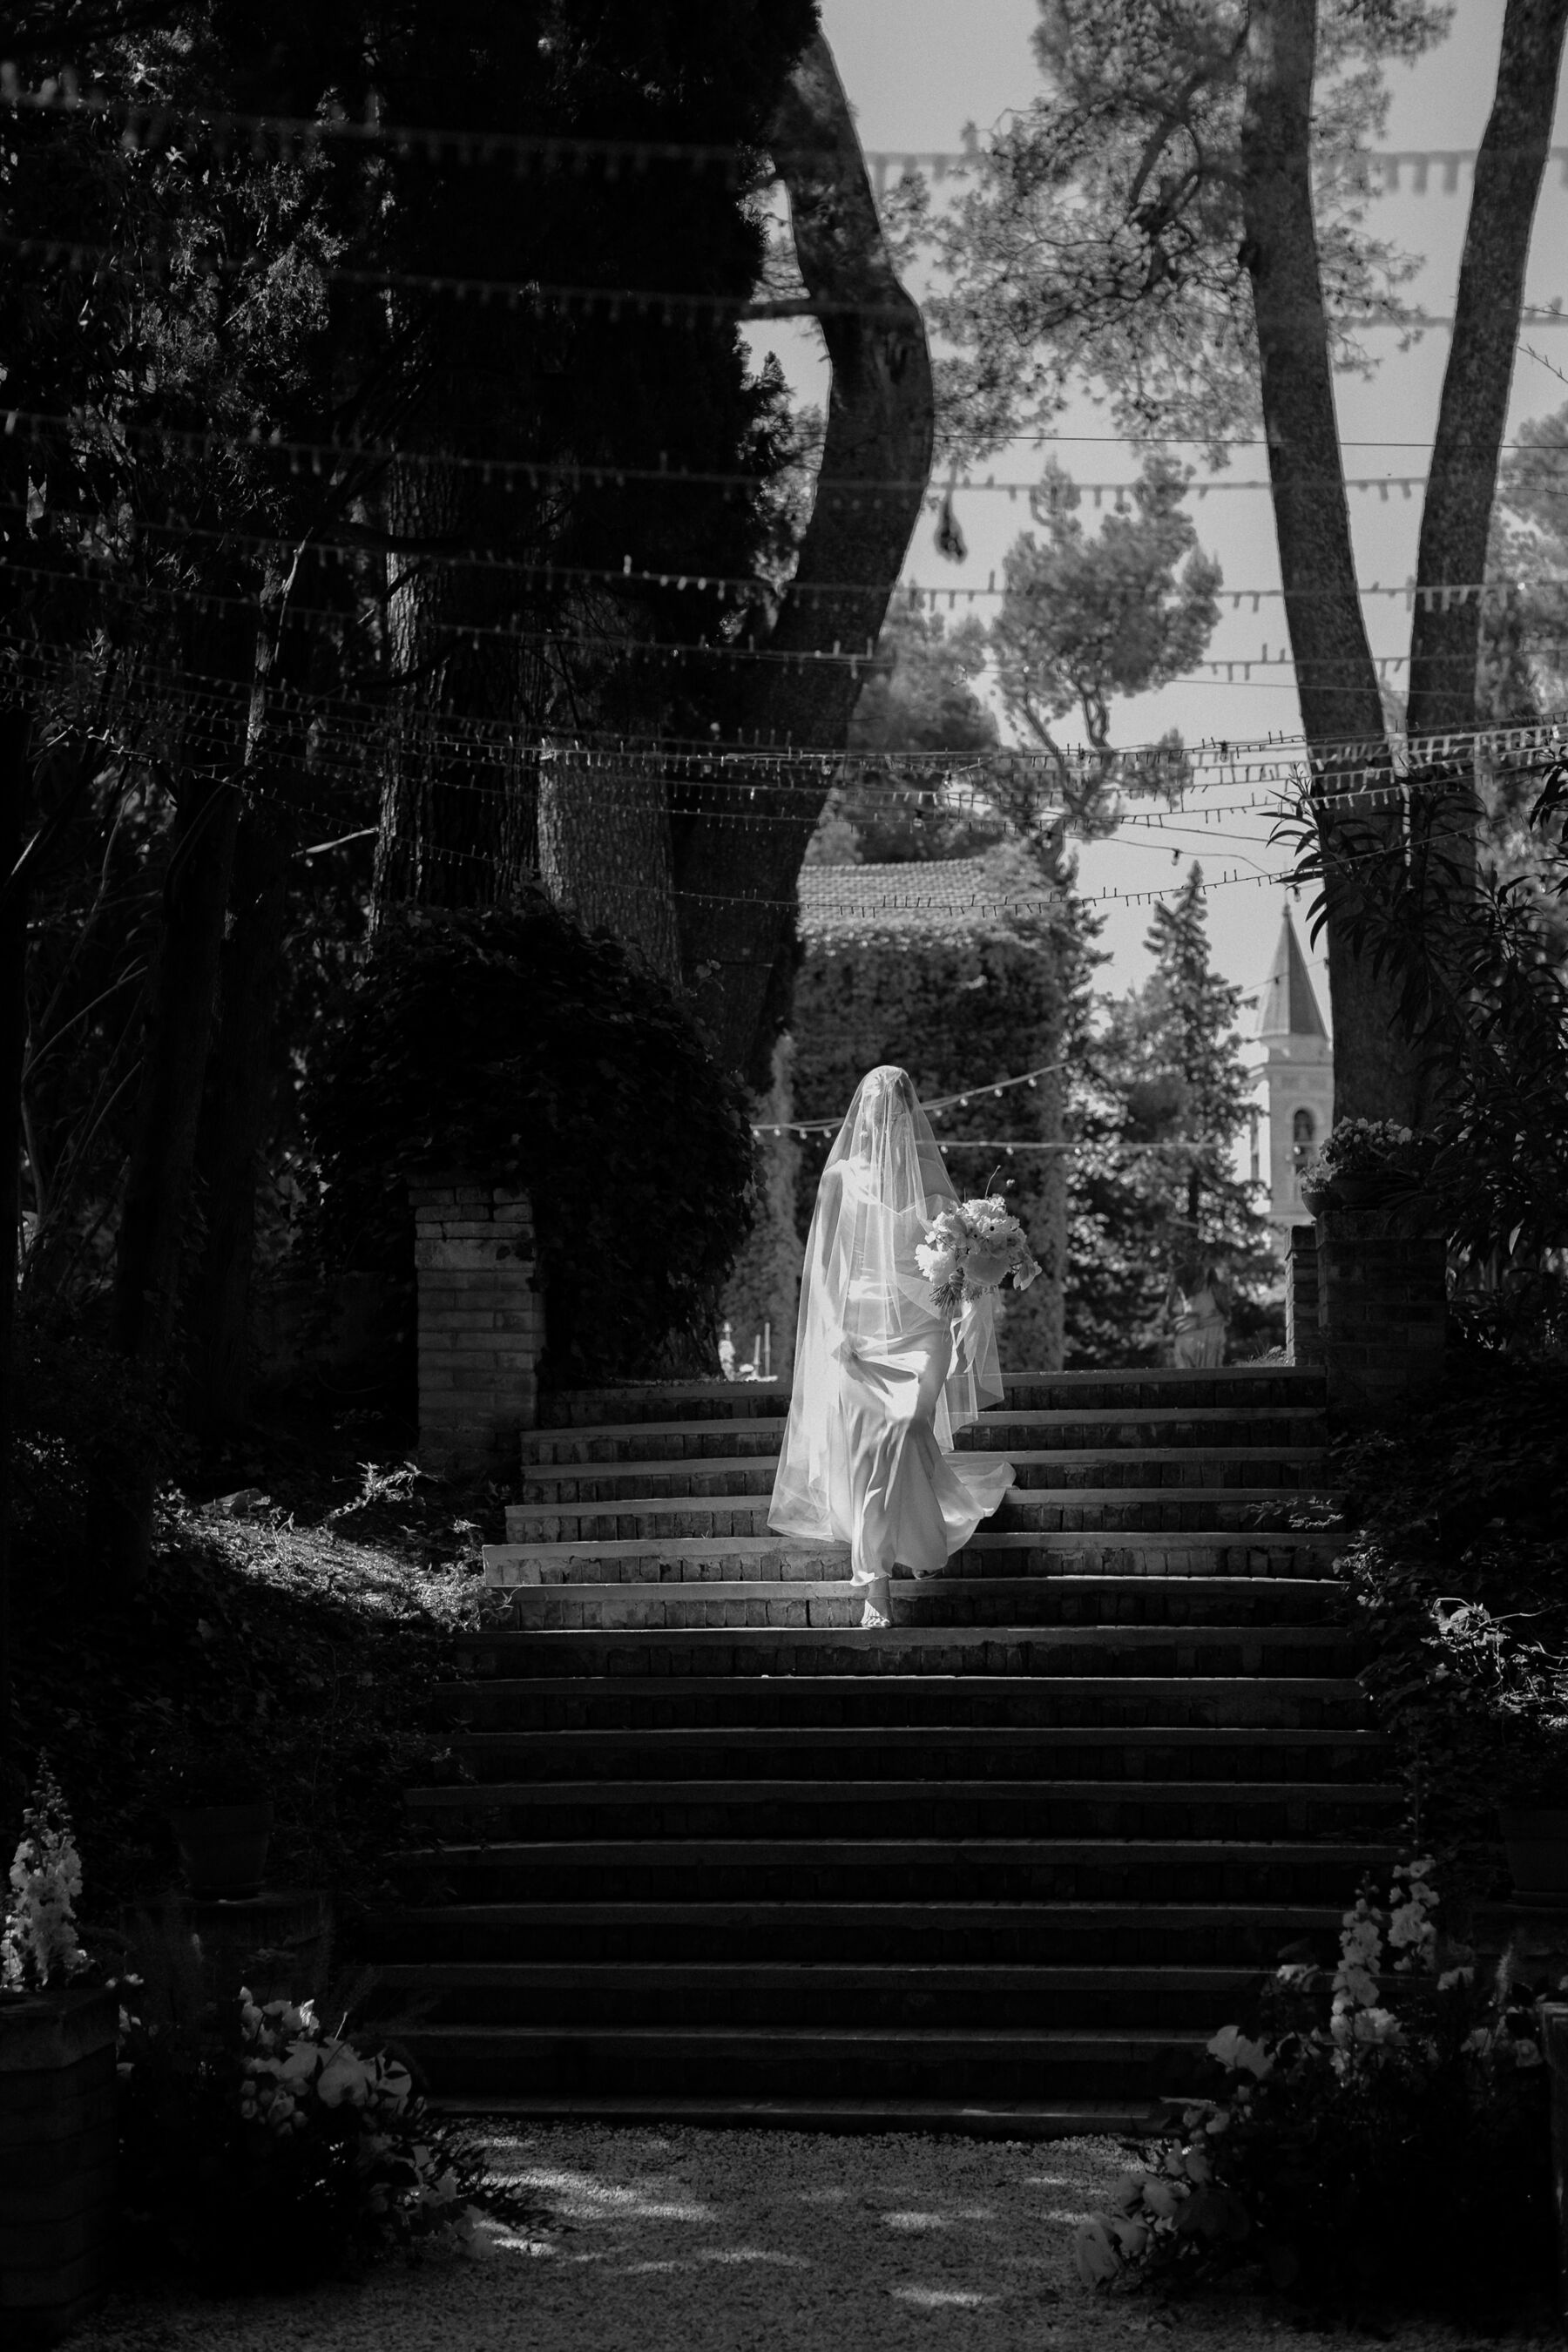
(222, 1848)
(1368, 1190)
(56, 2160)
(1316, 1198)
(1537, 1843)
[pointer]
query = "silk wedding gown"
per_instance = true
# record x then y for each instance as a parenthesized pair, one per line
(868, 1456)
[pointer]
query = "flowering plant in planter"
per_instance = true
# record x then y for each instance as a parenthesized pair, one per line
(40, 1947)
(268, 2149)
(1375, 2133)
(1369, 1147)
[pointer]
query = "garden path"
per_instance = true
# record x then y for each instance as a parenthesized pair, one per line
(686, 2241)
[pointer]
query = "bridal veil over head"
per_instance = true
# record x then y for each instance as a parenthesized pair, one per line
(863, 1295)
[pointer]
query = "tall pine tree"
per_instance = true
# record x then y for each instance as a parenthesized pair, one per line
(1164, 1100)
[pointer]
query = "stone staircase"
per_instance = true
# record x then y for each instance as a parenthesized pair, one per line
(1004, 1866)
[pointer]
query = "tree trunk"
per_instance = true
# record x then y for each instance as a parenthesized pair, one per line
(736, 884)
(1445, 636)
(15, 731)
(608, 859)
(1374, 1068)
(459, 818)
(1455, 520)
(181, 1013)
(239, 1086)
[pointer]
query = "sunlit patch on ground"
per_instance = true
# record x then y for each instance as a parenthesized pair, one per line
(933, 2298)
(748, 2242)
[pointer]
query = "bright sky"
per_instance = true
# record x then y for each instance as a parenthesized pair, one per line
(917, 71)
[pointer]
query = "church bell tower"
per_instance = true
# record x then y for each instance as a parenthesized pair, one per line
(1299, 1073)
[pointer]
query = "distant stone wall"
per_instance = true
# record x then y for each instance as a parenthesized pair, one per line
(481, 1323)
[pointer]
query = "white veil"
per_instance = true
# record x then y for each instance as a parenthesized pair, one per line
(862, 1294)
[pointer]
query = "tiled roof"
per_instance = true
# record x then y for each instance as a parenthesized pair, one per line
(937, 897)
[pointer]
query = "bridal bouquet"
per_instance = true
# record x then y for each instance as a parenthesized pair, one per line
(973, 1248)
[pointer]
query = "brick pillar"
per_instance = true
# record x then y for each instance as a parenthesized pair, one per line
(1383, 1308)
(1303, 1333)
(481, 1323)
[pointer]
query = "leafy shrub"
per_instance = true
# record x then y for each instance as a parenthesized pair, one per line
(268, 2151)
(1458, 1579)
(508, 1045)
(86, 1426)
(1373, 2139)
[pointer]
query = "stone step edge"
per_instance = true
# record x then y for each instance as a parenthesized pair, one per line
(986, 1539)
(753, 1911)
(793, 1976)
(1061, 1498)
(694, 1588)
(927, 1637)
(901, 1735)
(935, 2118)
(665, 1851)
(669, 1465)
(996, 1417)
(1081, 1582)
(1042, 2040)
(461, 1796)
(819, 1685)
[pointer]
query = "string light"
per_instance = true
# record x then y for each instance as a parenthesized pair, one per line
(937, 1103)
(147, 124)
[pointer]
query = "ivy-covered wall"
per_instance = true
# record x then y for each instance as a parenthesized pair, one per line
(957, 1000)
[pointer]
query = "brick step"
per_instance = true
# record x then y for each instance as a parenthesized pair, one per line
(1058, 1651)
(767, 1559)
(1019, 2119)
(893, 1870)
(1248, 1384)
(1082, 1934)
(630, 1400)
(548, 1703)
(948, 1600)
(839, 2062)
(792, 1994)
(772, 1566)
(994, 1549)
(941, 1810)
(1167, 1755)
(1168, 1474)
(1076, 1428)
(1191, 1510)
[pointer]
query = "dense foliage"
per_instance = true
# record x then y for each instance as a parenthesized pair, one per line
(511, 1047)
(296, 1636)
(479, 547)
(1460, 1581)
(267, 2151)
(1485, 994)
(1379, 2136)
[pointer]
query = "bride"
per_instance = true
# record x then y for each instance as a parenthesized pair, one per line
(880, 1385)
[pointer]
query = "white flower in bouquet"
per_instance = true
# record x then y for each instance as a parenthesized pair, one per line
(971, 1249)
(938, 1262)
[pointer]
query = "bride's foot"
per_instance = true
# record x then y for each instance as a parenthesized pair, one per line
(875, 1608)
